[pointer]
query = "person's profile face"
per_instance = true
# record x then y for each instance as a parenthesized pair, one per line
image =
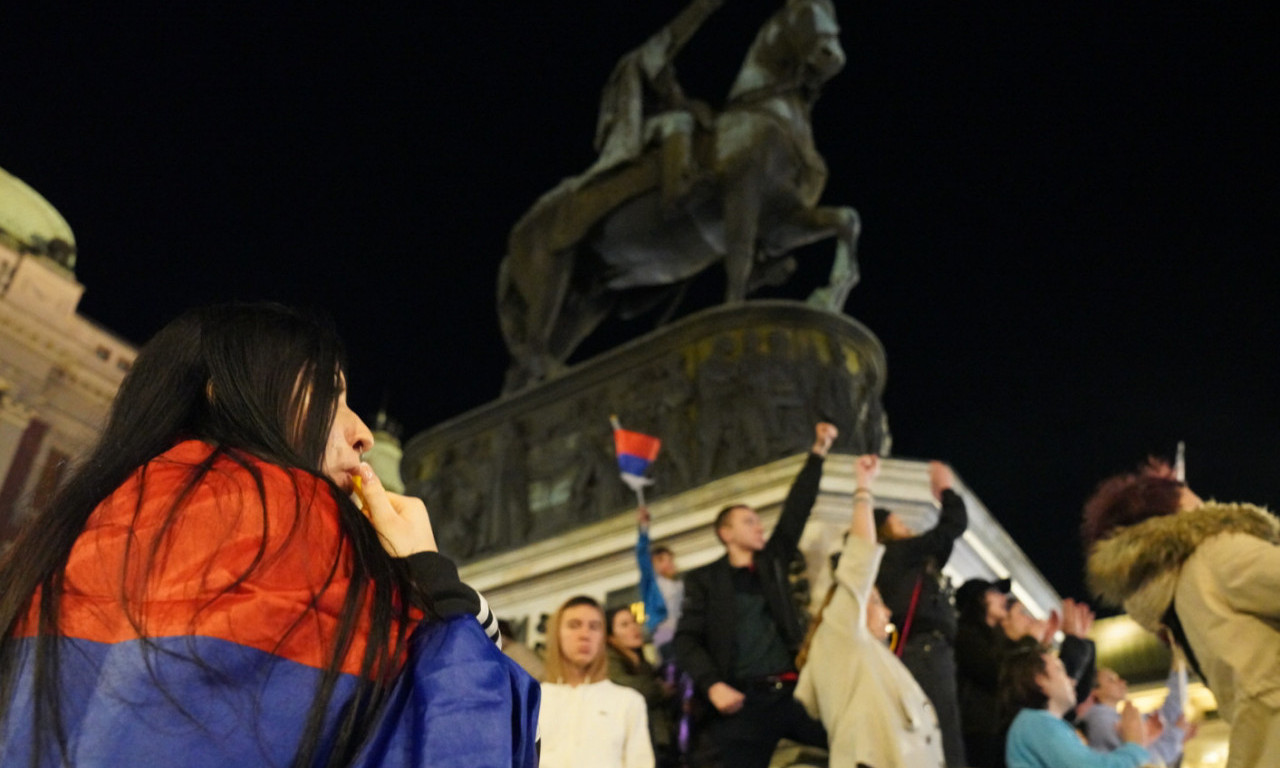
(997, 606)
(743, 528)
(1056, 684)
(897, 528)
(1017, 622)
(581, 634)
(1112, 687)
(627, 630)
(349, 437)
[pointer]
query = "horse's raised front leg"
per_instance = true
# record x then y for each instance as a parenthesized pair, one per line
(741, 222)
(814, 224)
(844, 269)
(539, 277)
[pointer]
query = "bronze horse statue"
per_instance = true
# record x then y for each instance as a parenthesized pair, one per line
(618, 239)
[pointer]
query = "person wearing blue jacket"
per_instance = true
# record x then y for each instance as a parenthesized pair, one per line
(1036, 685)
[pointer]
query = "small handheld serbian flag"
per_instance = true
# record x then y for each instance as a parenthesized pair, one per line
(636, 452)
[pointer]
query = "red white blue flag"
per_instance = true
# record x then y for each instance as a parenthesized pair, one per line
(636, 451)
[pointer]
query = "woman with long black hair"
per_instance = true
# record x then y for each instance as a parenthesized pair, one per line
(203, 590)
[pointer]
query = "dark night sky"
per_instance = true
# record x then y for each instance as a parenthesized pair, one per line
(1069, 212)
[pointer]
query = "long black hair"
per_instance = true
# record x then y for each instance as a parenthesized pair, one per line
(257, 382)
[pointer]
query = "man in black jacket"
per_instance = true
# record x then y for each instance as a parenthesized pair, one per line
(740, 628)
(912, 586)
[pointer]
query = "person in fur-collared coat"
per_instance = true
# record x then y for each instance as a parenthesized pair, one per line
(1210, 573)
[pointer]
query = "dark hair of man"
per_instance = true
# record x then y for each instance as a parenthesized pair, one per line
(255, 381)
(574, 602)
(1018, 686)
(1129, 499)
(722, 517)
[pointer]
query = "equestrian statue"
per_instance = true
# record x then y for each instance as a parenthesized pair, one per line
(677, 188)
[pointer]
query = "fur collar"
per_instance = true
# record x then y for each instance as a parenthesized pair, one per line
(1154, 550)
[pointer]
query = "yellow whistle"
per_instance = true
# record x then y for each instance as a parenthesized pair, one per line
(357, 482)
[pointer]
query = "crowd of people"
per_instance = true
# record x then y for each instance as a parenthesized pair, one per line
(223, 581)
(968, 677)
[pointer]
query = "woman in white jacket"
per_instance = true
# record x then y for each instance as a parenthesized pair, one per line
(587, 720)
(875, 713)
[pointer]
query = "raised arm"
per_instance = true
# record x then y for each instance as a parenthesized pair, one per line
(952, 521)
(863, 525)
(803, 493)
(860, 556)
(1078, 652)
(655, 605)
(1169, 744)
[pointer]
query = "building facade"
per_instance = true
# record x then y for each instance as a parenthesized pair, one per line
(59, 371)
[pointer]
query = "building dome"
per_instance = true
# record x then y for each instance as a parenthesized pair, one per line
(29, 224)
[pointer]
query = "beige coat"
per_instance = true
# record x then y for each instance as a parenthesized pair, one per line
(874, 710)
(1220, 565)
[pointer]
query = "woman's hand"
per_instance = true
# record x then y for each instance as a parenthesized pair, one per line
(402, 522)
(866, 469)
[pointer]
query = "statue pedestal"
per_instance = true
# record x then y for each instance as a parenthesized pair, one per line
(727, 390)
(524, 491)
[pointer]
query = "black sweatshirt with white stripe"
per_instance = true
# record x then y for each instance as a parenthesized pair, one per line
(436, 575)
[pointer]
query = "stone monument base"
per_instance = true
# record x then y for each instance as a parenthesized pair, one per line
(727, 390)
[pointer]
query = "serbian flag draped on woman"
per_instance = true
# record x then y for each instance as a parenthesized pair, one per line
(204, 590)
